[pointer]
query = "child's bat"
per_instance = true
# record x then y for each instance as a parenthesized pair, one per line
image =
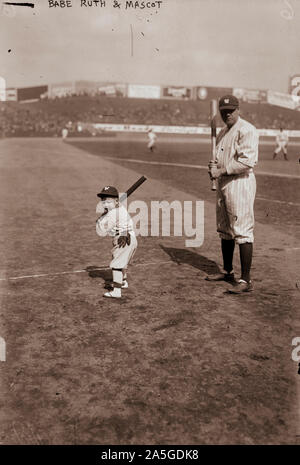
(213, 125)
(133, 188)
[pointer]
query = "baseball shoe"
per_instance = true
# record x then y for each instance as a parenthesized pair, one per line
(240, 287)
(228, 277)
(112, 294)
(125, 284)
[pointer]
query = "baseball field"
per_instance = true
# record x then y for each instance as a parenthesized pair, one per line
(177, 360)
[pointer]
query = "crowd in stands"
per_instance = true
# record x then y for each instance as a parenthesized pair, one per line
(49, 116)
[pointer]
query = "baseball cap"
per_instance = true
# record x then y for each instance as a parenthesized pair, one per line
(229, 102)
(108, 191)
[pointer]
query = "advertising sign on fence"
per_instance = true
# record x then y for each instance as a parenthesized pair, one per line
(141, 91)
(177, 92)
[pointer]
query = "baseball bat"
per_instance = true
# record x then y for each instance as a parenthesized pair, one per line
(213, 126)
(133, 188)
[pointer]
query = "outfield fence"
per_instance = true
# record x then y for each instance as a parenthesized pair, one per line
(204, 130)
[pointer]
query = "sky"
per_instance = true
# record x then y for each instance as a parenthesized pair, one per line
(226, 43)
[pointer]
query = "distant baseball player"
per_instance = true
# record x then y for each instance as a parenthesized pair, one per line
(116, 222)
(282, 140)
(237, 154)
(64, 133)
(152, 140)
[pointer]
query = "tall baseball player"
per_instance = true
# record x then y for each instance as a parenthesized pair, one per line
(237, 154)
(116, 222)
(282, 141)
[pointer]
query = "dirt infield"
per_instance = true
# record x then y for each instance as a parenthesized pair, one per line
(178, 360)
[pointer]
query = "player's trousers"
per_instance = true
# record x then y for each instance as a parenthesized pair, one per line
(279, 147)
(235, 207)
(123, 255)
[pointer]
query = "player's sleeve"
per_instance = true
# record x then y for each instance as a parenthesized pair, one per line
(246, 152)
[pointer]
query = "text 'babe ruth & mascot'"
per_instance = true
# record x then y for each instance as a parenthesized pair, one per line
(115, 221)
(236, 156)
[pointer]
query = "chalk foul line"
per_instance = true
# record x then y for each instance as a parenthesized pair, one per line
(60, 273)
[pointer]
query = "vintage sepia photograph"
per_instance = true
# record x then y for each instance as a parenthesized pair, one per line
(149, 224)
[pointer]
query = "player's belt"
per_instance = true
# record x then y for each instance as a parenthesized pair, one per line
(224, 180)
(242, 175)
(123, 232)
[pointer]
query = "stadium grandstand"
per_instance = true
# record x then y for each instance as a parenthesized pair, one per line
(45, 110)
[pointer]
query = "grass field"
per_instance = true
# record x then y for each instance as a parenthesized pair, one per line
(177, 360)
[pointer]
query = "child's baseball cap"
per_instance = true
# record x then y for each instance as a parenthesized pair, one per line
(108, 191)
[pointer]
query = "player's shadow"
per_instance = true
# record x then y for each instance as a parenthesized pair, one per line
(105, 274)
(184, 256)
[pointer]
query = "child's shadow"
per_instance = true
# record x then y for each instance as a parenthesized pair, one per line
(105, 274)
(183, 256)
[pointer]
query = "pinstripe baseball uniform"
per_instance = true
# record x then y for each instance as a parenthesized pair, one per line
(237, 151)
(115, 223)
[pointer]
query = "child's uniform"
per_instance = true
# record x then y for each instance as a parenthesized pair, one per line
(117, 222)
